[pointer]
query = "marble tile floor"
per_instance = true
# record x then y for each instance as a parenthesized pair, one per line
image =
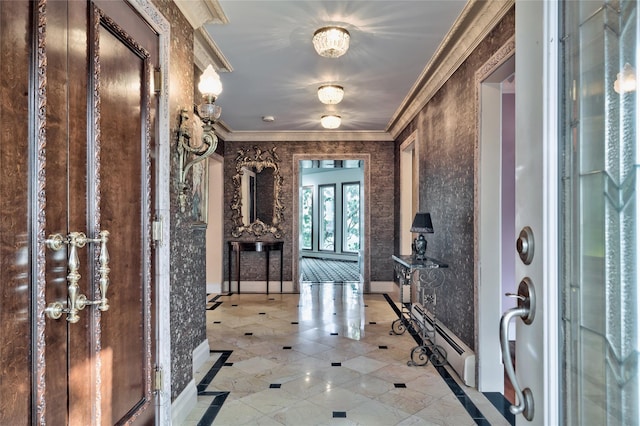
(323, 357)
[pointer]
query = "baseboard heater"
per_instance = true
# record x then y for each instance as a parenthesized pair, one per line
(461, 358)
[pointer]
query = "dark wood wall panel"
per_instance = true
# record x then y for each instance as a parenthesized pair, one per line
(15, 312)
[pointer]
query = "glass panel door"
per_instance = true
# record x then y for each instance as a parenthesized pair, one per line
(599, 210)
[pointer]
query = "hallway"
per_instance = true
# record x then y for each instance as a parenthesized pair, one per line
(324, 356)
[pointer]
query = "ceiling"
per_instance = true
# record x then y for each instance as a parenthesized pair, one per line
(272, 68)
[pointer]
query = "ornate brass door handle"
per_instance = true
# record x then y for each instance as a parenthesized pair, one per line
(76, 301)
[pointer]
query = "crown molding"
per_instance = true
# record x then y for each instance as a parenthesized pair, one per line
(305, 136)
(475, 22)
(200, 12)
(206, 51)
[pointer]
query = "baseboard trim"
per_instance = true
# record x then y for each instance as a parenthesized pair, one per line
(200, 355)
(184, 403)
(261, 286)
(382, 286)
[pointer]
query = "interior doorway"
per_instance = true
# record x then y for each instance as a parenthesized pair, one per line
(495, 221)
(409, 198)
(215, 227)
(331, 219)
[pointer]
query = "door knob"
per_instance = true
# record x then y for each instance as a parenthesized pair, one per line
(526, 311)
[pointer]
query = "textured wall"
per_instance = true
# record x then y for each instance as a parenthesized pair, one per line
(382, 199)
(188, 281)
(447, 136)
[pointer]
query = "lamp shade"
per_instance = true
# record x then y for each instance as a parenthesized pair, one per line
(210, 84)
(422, 223)
(331, 42)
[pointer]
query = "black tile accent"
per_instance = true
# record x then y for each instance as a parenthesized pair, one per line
(206, 380)
(482, 422)
(372, 323)
(213, 410)
(274, 386)
(248, 334)
(214, 306)
(502, 404)
(228, 364)
(334, 334)
(295, 322)
(400, 385)
(262, 313)
(286, 347)
(383, 347)
(336, 364)
(271, 298)
(339, 414)
(217, 322)
(366, 306)
(234, 305)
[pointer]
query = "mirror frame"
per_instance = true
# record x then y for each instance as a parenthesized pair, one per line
(259, 160)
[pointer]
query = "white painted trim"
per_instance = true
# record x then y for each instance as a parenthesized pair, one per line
(161, 25)
(200, 355)
(382, 287)
(475, 22)
(306, 136)
(409, 195)
(184, 404)
(200, 12)
(260, 286)
(551, 302)
(214, 288)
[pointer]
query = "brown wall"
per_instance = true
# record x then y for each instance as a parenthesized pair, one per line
(447, 133)
(382, 199)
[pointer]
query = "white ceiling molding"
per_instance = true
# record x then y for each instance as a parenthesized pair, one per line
(307, 136)
(475, 22)
(206, 51)
(200, 12)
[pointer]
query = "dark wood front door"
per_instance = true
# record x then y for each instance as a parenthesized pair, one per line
(78, 116)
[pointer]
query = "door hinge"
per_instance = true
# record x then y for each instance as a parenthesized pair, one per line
(157, 380)
(157, 81)
(156, 231)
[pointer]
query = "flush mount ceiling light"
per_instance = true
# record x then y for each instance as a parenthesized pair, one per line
(330, 94)
(330, 121)
(331, 42)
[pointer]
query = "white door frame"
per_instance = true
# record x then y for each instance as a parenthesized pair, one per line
(409, 195)
(488, 244)
(163, 209)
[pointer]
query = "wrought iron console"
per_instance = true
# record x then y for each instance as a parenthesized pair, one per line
(420, 279)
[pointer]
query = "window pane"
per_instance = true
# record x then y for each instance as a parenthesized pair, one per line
(327, 217)
(351, 215)
(306, 224)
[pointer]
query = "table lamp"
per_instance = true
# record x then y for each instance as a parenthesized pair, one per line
(421, 224)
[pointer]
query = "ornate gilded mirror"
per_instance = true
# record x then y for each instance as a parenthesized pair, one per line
(256, 207)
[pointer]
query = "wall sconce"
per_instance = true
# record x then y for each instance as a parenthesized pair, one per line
(626, 80)
(194, 148)
(422, 224)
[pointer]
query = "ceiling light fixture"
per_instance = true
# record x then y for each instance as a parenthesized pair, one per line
(330, 94)
(331, 121)
(331, 42)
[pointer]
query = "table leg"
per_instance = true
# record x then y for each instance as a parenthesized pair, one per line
(268, 251)
(238, 269)
(281, 269)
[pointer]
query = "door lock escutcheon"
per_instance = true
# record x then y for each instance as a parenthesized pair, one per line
(525, 245)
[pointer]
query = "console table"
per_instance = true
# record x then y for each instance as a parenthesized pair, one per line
(420, 279)
(262, 246)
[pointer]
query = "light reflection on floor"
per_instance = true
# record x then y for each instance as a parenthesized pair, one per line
(324, 356)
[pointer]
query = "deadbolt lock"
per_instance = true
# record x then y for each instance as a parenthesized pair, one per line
(525, 245)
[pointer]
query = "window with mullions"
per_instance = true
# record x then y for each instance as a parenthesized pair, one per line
(351, 217)
(327, 217)
(306, 224)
